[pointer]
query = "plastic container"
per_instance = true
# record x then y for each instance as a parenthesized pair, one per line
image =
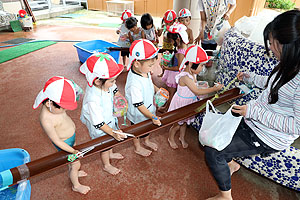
(87, 48)
(166, 59)
(161, 97)
(202, 85)
(10, 158)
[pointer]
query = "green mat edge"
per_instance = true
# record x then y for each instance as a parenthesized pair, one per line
(12, 49)
(106, 25)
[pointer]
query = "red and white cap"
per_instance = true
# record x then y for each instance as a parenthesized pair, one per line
(194, 54)
(60, 90)
(100, 65)
(141, 50)
(181, 30)
(126, 14)
(169, 16)
(184, 13)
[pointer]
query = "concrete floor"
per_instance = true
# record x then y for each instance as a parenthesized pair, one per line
(166, 174)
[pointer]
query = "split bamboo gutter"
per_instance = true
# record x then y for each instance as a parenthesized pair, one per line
(58, 159)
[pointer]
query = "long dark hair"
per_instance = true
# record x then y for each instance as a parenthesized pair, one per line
(174, 37)
(285, 28)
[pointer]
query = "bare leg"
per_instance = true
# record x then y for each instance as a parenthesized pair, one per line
(115, 155)
(175, 127)
(149, 144)
(182, 134)
(139, 149)
(223, 195)
(233, 166)
(74, 172)
(107, 166)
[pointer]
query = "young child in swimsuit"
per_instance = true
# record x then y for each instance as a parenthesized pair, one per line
(57, 97)
(101, 71)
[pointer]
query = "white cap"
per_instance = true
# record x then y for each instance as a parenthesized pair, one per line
(181, 30)
(184, 13)
(194, 54)
(141, 50)
(60, 90)
(100, 65)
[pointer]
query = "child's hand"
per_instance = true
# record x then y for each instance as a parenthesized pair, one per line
(156, 120)
(242, 75)
(218, 86)
(78, 152)
(118, 135)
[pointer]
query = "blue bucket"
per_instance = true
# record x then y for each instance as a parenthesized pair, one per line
(10, 158)
(86, 49)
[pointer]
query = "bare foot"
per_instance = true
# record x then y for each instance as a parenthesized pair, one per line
(111, 169)
(184, 144)
(117, 156)
(222, 196)
(81, 189)
(172, 144)
(233, 166)
(151, 145)
(143, 152)
(82, 173)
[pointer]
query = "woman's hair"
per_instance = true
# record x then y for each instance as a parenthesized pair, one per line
(146, 20)
(285, 28)
(174, 36)
(54, 104)
(131, 22)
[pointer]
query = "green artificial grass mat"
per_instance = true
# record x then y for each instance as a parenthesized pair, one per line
(110, 25)
(15, 25)
(14, 52)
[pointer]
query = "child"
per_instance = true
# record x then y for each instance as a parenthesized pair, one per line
(168, 20)
(149, 29)
(101, 71)
(135, 32)
(139, 90)
(185, 17)
(58, 96)
(187, 90)
(123, 31)
(179, 38)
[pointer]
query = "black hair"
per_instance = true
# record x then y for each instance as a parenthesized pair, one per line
(146, 20)
(131, 22)
(185, 17)
(285, 28)
(102, 81)
(195, 66)
(54, 104)
(174, 37)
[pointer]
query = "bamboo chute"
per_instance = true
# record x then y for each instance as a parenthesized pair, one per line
(58, 159)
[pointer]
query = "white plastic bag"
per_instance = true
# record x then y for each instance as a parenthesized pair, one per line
(217, 130)
(219, 36)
